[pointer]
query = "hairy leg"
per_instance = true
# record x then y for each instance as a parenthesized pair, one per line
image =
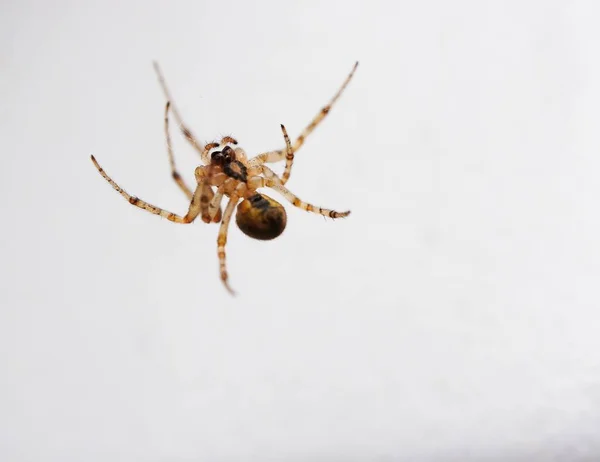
(193, 210)
(275, 156)
(174, 173)
(222, 240)
(184, 129)
(272, 181)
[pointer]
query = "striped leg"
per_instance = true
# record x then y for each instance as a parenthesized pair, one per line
(269, 174)
(186, 131)
(207, 198)
(222, 240)
(272, 181)
(289, 157)
(174, 173)
(275, 156)
(214, 208)
(193, 211)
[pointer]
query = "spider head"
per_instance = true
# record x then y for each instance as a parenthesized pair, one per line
(261, 217)
(224, 157)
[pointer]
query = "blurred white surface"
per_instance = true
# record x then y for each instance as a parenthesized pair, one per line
(453, 316)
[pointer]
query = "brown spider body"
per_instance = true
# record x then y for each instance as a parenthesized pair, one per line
(261, 217)
(258, 215)
(227, 172)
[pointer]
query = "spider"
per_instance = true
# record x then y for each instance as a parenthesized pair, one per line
(228, 172)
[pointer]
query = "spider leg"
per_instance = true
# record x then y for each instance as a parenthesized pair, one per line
(207, 198)
(193, 210)
(269, 174)
(324, 111)
(229, 187)
(289, 157)
(275, 156)
(272, 181)
(214, 207)
(174, 173)
(184, 129)
(222, 240)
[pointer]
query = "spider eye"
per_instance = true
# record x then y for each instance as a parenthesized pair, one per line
(261, 217)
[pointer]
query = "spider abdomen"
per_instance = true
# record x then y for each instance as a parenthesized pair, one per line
(261, 217)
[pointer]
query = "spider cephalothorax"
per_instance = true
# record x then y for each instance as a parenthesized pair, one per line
(226, 159)
(227, 172)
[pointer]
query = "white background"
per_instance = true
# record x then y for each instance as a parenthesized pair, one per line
(453, 316)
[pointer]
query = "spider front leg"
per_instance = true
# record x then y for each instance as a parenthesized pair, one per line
(289, 156)
(222, 240)
(272, 181)
(214, 207)
(193, 210)
(184, 129)
(174, 173)
(275, 156)
(210, 204)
